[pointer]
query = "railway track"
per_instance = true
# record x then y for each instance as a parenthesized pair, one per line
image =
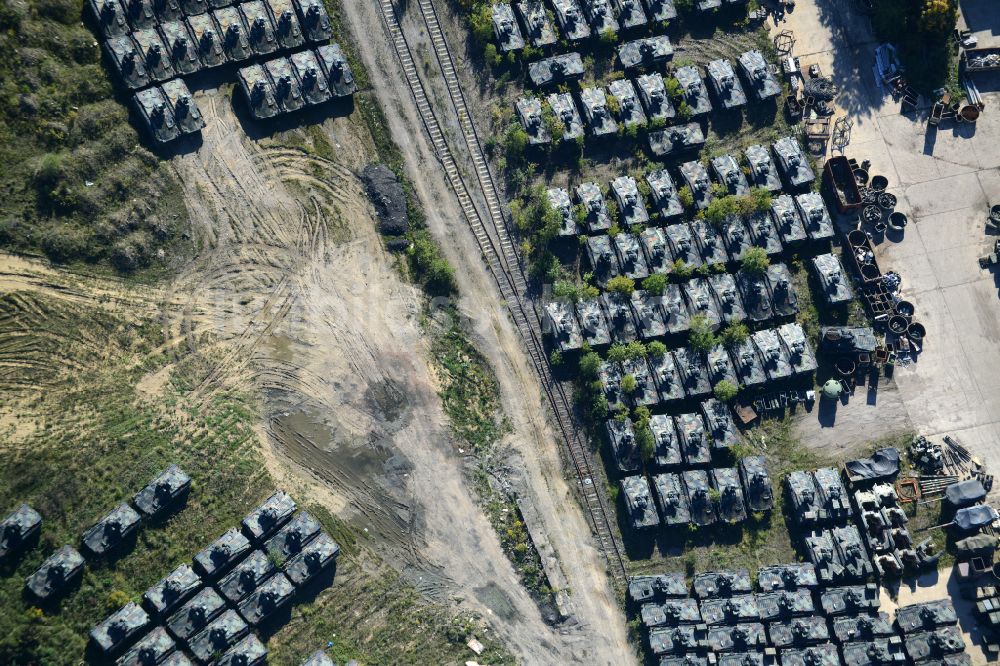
(497, 247)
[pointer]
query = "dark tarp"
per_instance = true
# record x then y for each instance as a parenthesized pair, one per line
(974, 517)
(981, 544)
(847, 339)
(965, 493)
(882, 464)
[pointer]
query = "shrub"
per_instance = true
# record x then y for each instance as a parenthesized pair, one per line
(617, 353)
(755, 261)
(621, 285)
(430, 268)
(590, 366)
(681, 269)
(647, 444)
(725, 390)
(655, 284)
(700, 337)
(657, 349)
(685, 196)
(629, 385)
(635, 349)
(481, 23)
(734, 334)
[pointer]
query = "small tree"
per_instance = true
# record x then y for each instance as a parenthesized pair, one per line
(590, 366)
(656, 349)
(556, 358)
(491, 55)
(734, 334)
(568, 290)
(756, 261)
(655, 284)
(725, 390)
(617, 353)
(681, 269)
(647, 444)
(685, 196)
(621, 285)
(701, 338)
(629, 385)
(635, 349)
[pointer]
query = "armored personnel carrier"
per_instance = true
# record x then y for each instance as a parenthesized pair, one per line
(831, 276)
(172, 591)
(196, 614)
(676, 139)
(571, 20)
(181, 47)
(667, 452)
(727, 296)
(823, 553)
(783, 298)
(763, 173)
(849, 600)
(702, 301)
(763, 232)
(224, 632)
(222, 554)
(529, 110)
(19, 531)
(154, 54)
(315, 20)
(314, 559)
(315, 87)
(934, 644)
(268, 518)
(748, 364)
(807, 504)
(649, 314)
(653, 95)
(682, 244)
(259, 92)
(141, 14)
(595, 110)
(287, 90)
(832, 494)
(862, 627)
(798, 575)
(318, 658)
(707, 5)
(171, 486)
(799, 631)
(695, 92)
(642, 589)
(661, 10)
(802, 358)
(338, 72)
(682, 639)
(728, 172)
(696, 178)
(737, 237)
(592, 200)
(602, 258)
(561, 324)
(878, 652)
(246, 577)
(168, 10)
(110, 17)
(784, 604)
(670, 613)
(538, 27)
(659, 258)
(815, 216)
(723, 82)
(153, 648)
(195, 7)
(639, 503)
(269, 599)
(720, 366)
(119, 630)
(762, 83)
(631, 13)
(564, 109)
(154, 109)
(710, 242)
(611, 379)
(739, 608)
(629, 109)
(699, 502)
(207, 37)
(788, 220)
(619, 312)
(260, 27)
(693, 371)
(672, 496)
(112, 531)
(623, 445)
(664, 195)
(646, 52)
(593, 326)
(555, 70)
(630, 204)
(248, 652)
(712, 584)
(756, 296)
(559, 200)
(58, 572)
(792, 162)
(726, 482)
(645, 392)
(720, 423)
(235, 34)
(757, 484)
(777, 362)
(768, 657)
(744, 636)
(505, 28)
(294, 536)
(601, 15)
(630, 256)
(667, 377)
(926, 616)
(814, 655)
(675, 309)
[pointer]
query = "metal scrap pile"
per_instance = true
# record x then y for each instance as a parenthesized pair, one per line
(820, 88)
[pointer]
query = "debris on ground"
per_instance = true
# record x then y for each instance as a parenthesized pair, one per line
(388, 197)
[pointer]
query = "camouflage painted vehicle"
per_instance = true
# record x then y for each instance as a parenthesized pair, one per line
(153, 648)
(618, 309)
(222, 554)
(762, 83)
(723, 82)
(611, 379)
(601, 16)
(926, 616)
(647, 52)
(505, 28)
(595, 110)
(934, 644)
(316, 558)
(830, 273)
(224, 632)
(318, 658)
(168, 10)
(673, 500)
(592, 200)
(269, 599)
(120, 629)
(338, 71)
(720, 367)
(756, 296)
(739, 608)
(630, 256)
(181, 47)
(559, 200)
(878, 652)
(763, 173)
(712, 584)
(669, 381)
(763, 233)
(678, 640)
(695, 92)
(783, 298)
(141, 14)
(792, 162)
(849, 600)
(693, 371)
(208, 42)
(721, 426)
(188, 120)
(287, 89)
(630, 111)
(698, 500)
(110, 17)
(593, 326)
(784, 604)
(696, 178)
(564, 109)
(862, 627)
(571, 20)
(744, 636)
(645, 392)
(259, 92)
(315, 86)
(766, 658)
(642, 589)
(807, 504)
(664, 195)
(639, 503)
(631, 13)
(726, 482)
(538, 28)
(799, 631)
(19, 531)
(556, 69)
(847, 339)
(710, 242)
(196, 614)
(675, 310)
(777, 363)
(235, 34)
(657, 250)
(293, 537)
(246, 577)
(176, 659)
(748, 364)
(623, 446)
(793, 576)
(602, 258)
(756, 483)
(248, 652)
(155, 54)
(822, 551)
(172, 591)
(315, 20)
(56, 575)
(814, 655)
(707, 5)
(803, 359)
(260, 27)
(728, 172)
(670, 613)
(648, 313)
(832, 493)
(816, 217)
(682, 244)
(667, 452)
(630, 203)
(112, 531)
(728, 297)
(702, 301)
(676, 139)
(653, 95)
(268, 518)
(737, 237)
(787, 219)
(661, 10)
(560, 324)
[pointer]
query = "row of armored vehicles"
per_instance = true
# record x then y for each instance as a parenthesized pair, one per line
(883, 524)
(303, 79)
(113, 18)
(246, 579)
(168, 111)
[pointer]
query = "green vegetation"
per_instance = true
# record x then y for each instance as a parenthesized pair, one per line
(701, 337)
(755, 261)
(921, 32)
(655, 284)
(430, 268)
(539, 223)
(726, 205)
(734, 334)
(629, 385)
(725, 390)
(656, 349)
(573, 291)
(620, 284)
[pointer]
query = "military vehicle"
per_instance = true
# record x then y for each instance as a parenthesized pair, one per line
(505, 28)
(814, 655)
(112, 531)
(593, 326)
(707, 5)
(224, 632)
(56, 574)
(766, 658)
(571, 20)
(196, 614)
(630, 256)
(748, 364)
(188, 120)
(696, 178)
(19, 531)
(823, 553)
(793, 576)
(645, 392)
(693, 371)
(737, 237)
(934, 644)
(602, 258)
(631, 13)
(802, 357)
(592, 200)
(682, 639)
(537, 25)
(556, 69)
(777, 362)
(670, 612)
(561, 324)
(120, 629)
(153, 106)
(701, 301)
(738, 608)
(623, 445)
(763, 173)
(669, 381)
(762, 83)
(564, 109)
(221, 554)
(720, 366)
(642, 589)
(788, 220)
(268, 518)
(141, 14)
(792, 162)
(664, 195)
(744, 636)
(783, 298)
(559, 200)
(800, 630)
(601, 15)
(611, 379)
(319, 658)
(260, 27)
(926, 616)
(721, 426)
(724, 288)
(315, 20)
(287, 90)
(756, 296)
(879, 652)
(312, 561)
(619, 313)
(667, 451)
(682, 244)
(181, 47)
(235, 34)
(728, 172)
(246, 577)
(862, 627)
(194, 7)
(672, 496)
(629, 109)
(849, 600)
(661, 10)
(698, 500)
(207, 40)
(269, 599)
(659, 259)
(154, 54)
(832, 494)
(711, 584)
(259, 91)
(315, 87)
(291, 538)
(153, 648)
(847, 339)
(168, 10)
(287, 29)
(173, 590)
(757, 487)
(676, 139)
(653, 95)
(248, 652)
(646, 52)
(783, 604)
(831, 276)
(726, 482)
(648, 313)
(639, 503)
(595, 110)
(338, 71)
(110, 17)
(763, 232)
(675, 310)
(807, 504)
(710, 242)
(695, 92)
(817, 220)
(723, 82)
